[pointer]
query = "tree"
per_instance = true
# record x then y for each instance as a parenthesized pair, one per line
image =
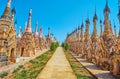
(65, 46)
(54, 46)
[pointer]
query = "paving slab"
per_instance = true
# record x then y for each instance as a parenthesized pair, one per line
(57, 67)
(99, 73)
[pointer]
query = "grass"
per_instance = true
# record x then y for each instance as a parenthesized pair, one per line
(32, 69)
(81, 76)
(3, 74)
(17, 69)
(78, 69)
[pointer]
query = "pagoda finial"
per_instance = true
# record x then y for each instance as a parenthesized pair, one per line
(100, 27)
(36, 30)
(13, 13)
(49, 32)
(95, 9)
(119, 11)
(87, 20)
(9, 3)
(107, 28)
(110, 27)
(41, 35)
(106, 2)
(95, 18)
(28, 29)
(82, 34)
(25, 26)
(119, 30)
(107, 9)
(82, 26)
(20, 32)
(114, 29)
(14, 10)
(95, 23)
(119, 15)
(87, 35)
(6, 13)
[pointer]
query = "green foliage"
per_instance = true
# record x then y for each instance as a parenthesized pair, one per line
(35, 68)
(57, 44)
(18, 68)
(65, 46)
(81, 76)
(78, 69)
(32, 61)
(22, 75)
(41, 57)
(3, 74)
(54, 46)
(34, 74)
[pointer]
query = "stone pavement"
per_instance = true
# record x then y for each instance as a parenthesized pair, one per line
(23, 60)
(100, 74)
(57, 67)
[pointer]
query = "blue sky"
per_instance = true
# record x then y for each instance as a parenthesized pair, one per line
(62, 16)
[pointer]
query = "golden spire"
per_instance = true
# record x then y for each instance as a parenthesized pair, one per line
(119, 15)
(41, 34)
(119, 31)
(79, 30)
(36, 30)
(19, 32)
(119, 11)
(77, 34)
(87, 26)
(107, 9)
(49, 36)
(107, 28)
(87, 29)
(29, 29)
(25, 26)
(115, 30)
(100, 27)
(95, 18)
(82, 33)
(6, 13)
(94, 36)
(111, 27)
(13, 13)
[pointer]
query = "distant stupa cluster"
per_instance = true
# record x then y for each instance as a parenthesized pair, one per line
(103, 50)
(25, 43)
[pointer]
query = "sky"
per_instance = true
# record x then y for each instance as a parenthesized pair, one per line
(62, 16)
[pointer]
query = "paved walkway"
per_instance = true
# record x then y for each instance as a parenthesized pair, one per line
(100, 74)
(23, 60)
(57, 67)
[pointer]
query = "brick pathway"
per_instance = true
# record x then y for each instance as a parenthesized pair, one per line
(57, 67)
(23, 60)
(100, 74)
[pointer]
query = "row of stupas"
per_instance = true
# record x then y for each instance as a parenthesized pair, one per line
(103, 50)
(25, 43)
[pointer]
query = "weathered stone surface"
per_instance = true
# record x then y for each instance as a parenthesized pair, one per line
(57, 67)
